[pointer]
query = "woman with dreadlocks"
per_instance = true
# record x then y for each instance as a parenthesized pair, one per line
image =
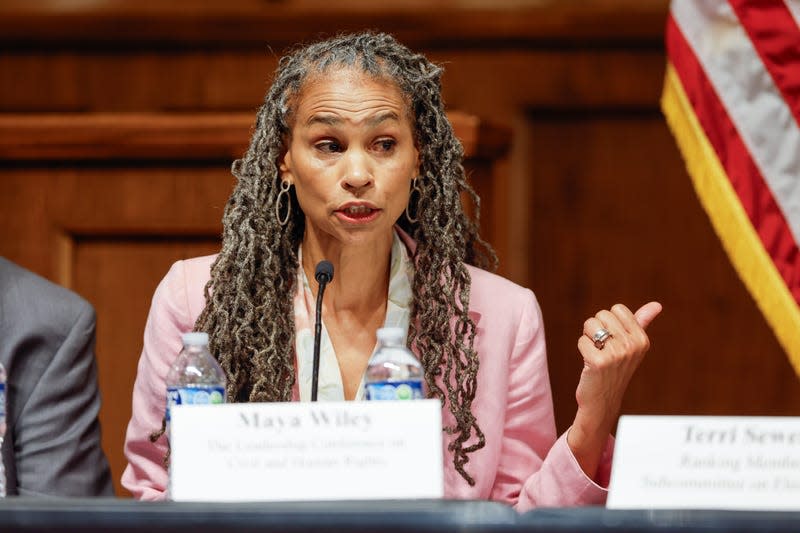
(353, 160)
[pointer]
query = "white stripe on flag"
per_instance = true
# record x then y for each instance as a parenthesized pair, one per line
(746, 89)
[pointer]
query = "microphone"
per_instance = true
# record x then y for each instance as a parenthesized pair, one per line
(323, 274)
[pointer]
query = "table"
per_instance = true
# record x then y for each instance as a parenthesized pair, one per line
(441, 516)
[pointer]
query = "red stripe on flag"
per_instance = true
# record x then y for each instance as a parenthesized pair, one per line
(776, 37)
(744, 175)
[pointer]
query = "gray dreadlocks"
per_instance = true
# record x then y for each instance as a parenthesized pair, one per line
(249, 307)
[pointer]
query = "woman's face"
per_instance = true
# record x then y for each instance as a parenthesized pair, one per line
(351, 157)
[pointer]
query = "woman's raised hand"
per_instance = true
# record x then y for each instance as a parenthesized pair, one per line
(612, 346)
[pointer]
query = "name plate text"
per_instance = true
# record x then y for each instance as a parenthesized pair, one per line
(306, 451)
(697, 462)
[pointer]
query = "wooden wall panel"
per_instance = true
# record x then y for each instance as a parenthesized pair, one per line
(249, 23)
(110, 234)
(615, 219)
(118, 275)
(149, 80)
(135, 80)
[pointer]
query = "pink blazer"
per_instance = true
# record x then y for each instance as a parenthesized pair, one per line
(523, 463)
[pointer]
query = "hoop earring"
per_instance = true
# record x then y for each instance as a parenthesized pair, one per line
(285, 186)
(414, 188)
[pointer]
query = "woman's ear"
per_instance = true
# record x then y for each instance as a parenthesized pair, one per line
(285, 166)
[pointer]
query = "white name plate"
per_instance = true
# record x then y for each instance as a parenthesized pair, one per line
(306, 451)
(704, 462)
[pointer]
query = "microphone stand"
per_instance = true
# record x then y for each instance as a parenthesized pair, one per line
(323, 274)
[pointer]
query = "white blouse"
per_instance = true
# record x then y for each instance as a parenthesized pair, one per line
(330, 387)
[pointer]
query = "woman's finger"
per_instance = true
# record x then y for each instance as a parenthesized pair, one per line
(593, 325)
(611, 321)
(625, 316)
(586, 347)
(646, 313)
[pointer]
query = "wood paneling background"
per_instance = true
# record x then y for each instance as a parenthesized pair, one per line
(592, 204)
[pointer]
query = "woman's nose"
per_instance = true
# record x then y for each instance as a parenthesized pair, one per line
(357, 171)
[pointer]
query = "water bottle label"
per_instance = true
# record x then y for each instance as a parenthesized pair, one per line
(394, 390)
(205, 395)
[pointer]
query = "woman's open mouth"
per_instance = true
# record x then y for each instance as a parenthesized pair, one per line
(357, 213)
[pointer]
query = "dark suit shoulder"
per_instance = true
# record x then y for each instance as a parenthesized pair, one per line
(29, 301)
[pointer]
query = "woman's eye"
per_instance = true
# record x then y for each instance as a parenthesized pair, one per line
(329, 147)
(386, 145)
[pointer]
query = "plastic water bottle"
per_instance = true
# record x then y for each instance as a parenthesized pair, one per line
(195, 378)
(2, 427)
(393, 372)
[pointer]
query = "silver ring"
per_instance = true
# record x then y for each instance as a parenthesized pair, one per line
(600, 337)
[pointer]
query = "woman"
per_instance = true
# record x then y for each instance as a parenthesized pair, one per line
(353, 160)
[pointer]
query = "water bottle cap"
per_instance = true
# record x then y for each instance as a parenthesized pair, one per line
(195, 338)
(391, 334)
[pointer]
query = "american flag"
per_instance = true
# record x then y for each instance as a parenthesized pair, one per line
(732, 100)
